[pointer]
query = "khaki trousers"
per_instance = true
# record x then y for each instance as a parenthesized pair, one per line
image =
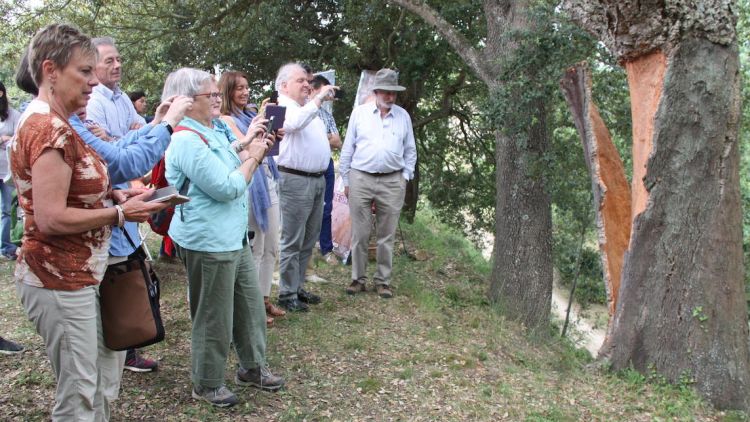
(87, 372)
(266, 247)
(387, 191)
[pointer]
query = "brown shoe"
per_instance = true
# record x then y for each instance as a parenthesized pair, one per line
(356, 287)
(384, 291)
(273, 310)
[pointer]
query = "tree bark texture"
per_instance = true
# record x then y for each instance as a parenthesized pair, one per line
(522, 271)
(609, 184)
(681, 310)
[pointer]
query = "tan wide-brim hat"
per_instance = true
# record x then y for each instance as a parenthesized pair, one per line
(387, 80)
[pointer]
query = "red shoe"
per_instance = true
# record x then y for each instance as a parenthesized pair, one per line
(136, 363)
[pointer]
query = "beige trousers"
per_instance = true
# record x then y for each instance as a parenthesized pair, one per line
(266, 247)
(87, 372)
(387, 192)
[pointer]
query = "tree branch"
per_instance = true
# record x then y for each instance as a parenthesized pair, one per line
(460, 44)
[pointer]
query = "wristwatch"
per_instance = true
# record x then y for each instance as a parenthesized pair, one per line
(168, 126)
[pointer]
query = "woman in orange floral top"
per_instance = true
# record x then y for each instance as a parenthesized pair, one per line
(63, 187)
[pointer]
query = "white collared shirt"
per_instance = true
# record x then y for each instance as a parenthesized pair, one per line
(378, 145)
(305, 145)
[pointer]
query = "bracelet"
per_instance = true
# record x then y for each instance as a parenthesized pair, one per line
(120, 216)
(257, 162)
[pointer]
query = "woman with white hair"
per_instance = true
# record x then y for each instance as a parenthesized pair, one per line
(210, 232)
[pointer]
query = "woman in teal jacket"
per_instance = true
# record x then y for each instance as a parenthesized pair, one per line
(210, 231)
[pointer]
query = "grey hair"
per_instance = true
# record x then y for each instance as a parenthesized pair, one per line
(56, 42)
(285, 72)
(96, 42)
(184, 81)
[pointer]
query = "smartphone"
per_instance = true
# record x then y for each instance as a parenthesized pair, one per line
(339, 93)
(274, 97)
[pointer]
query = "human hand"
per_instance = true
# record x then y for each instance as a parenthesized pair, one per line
(173, 110)
(135, 126)
(258, 148)
(137, 209)
(257, 127)
(326, 93)
(122, 195)
(100, 133)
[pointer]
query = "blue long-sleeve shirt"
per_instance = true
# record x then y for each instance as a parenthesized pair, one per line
(128, 158)
(215, 219)
(132, 156)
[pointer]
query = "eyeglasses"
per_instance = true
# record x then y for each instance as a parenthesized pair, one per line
(214, 95)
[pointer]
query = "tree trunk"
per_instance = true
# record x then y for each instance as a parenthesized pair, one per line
(682, 309)
(611, 191)
(521, 281)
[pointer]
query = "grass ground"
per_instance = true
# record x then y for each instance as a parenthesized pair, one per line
(436, 351)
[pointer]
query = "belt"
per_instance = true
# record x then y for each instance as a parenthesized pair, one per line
(380, 174)
(300, 172)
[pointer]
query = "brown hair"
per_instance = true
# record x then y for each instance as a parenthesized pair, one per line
(56, 42)
(227, 83)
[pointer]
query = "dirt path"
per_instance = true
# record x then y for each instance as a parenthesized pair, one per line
(583, 326)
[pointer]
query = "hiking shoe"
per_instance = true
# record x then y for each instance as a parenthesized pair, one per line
(293, 304)
(384, 291)
(307, 297)
(8, 347)
(260, 377)
(356, 287)
(219, 397)
(137, 363)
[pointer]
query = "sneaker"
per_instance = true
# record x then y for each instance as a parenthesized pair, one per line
(7, 347)
(293, 305)
(307, 297)
(137, 363)
(384, 291)
(356, 287)
(260, 377)
(331, 258)
(219, 397)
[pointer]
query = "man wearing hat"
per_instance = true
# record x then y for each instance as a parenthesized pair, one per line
(377, 160)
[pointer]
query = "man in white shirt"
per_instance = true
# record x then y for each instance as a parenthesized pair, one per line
(304, 155)
(377, 160)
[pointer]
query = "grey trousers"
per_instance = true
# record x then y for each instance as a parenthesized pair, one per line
(87, 372)
(301, 200)
(226, 306)
(388, 194)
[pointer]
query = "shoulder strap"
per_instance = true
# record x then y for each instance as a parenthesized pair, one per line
(186, 185)
(181, 128)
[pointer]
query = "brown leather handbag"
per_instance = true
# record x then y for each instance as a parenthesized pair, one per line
(129, 300)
